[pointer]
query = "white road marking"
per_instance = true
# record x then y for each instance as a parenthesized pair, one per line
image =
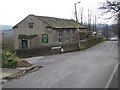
(111, 77)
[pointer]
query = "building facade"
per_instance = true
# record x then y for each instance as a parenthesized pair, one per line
(36, 31)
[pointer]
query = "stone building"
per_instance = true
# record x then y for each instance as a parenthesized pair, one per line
(35, 31)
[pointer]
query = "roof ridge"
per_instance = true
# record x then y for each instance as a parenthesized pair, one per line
(54, 17)
(42, 20)
(56, 22)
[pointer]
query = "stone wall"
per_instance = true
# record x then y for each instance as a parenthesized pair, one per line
(57, 49)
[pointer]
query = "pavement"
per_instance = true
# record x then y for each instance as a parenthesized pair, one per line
(89, 68)
(11, 73)
(7, 72)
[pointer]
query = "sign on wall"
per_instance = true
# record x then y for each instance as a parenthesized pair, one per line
(44, 38)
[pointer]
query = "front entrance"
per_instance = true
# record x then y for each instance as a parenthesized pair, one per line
(24, 43)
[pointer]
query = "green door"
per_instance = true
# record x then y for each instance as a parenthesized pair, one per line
(24, 43)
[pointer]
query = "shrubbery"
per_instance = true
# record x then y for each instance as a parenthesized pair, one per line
(9, 59)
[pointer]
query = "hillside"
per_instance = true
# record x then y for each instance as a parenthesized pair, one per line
(5, 27)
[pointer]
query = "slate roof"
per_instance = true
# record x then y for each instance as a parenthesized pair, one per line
(60, 23)
(57, 22)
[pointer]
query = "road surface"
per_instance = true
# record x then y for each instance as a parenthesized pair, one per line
(89, 68)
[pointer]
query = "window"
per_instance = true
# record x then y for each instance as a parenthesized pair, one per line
(48, 28)
(60, 36)
(67, 35)
(24, 43)
(82, 36)
(44, 38)
(73, 35)
(31, 25)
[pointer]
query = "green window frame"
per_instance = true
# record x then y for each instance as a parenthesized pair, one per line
(44, 38)
(24, 43)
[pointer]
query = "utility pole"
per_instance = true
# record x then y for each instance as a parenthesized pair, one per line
(95, 23)
(82, 15)
(76, 11)
(78, 37)
(89, 20)
(106, 33)
(119, 26)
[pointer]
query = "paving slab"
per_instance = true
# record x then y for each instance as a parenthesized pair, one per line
(9, 71)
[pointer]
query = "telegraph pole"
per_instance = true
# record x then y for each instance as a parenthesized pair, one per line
(76, 11)
(77, 24)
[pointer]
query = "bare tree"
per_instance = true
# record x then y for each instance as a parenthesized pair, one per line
(81, 15)
(112, 7)
(89, 19)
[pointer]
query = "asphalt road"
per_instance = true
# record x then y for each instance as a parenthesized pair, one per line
(89, 68)
(114, 82)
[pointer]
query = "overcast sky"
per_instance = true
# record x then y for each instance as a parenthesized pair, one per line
(13, 11)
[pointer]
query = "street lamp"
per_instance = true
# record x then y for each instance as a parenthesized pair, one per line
(76, 10)
(77, 24)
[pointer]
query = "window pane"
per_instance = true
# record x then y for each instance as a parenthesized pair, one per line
(73, 35)
(31, 25)
(44, 38)
(67, 35)
(82, 36)
(24, 43)
(60, 36)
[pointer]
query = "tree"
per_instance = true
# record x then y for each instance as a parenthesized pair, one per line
(113, 7)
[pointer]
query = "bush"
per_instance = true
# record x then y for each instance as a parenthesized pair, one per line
(9, 59)
(11, 62)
